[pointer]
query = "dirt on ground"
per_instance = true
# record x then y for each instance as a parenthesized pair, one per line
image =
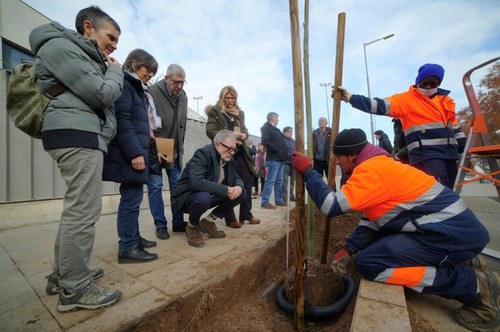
(247, 300)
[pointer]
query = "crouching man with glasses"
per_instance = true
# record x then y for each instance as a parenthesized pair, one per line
(209, 180)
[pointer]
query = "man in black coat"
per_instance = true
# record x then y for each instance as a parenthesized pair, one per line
(383, 141)
(209, 180)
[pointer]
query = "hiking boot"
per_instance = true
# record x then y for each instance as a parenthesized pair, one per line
(484, 314)
(208, 227)
(53, 280)
(477, 262)
(93, 297)
(194, 236)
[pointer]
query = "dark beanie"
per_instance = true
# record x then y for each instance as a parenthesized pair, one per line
(430, 69)
(349, 142)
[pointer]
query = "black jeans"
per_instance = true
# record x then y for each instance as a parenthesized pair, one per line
(247, 176)
(198, 202)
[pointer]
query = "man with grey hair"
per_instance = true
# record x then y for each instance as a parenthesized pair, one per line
(321, 147)
(171, 104)
(276, 154)
(209, 180)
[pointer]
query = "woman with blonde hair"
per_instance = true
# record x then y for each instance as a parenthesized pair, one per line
(226, 114)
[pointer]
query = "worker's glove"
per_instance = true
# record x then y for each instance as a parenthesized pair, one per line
(301, 163)
(345, 95)
(340, 261)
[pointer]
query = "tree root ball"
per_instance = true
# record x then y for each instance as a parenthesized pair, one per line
(323, 286)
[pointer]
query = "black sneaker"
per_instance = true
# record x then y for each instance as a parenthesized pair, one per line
(180, 227)
(93, 297)
(162, 233)
(53, 280)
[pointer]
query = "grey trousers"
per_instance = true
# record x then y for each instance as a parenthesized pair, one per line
(81, 170)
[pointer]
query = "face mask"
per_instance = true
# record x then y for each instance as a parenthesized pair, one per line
(428, 92)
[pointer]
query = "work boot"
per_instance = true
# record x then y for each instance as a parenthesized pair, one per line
(484, 313)
(477, 262)
(208, 227)
(194, 236)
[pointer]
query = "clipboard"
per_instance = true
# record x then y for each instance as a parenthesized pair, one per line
(165, 146)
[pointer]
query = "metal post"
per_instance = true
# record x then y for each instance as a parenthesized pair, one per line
(326, 85)
(372, 117)
(198, 103)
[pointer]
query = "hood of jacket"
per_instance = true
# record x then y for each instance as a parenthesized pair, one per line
(370, 151)
(42, 34)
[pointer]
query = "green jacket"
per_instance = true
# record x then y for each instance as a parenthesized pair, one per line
(216, 122)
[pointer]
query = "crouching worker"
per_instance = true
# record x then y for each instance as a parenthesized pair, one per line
(209, 180)
(414, 231)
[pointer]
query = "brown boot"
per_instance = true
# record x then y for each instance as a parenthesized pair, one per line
(484, 315)
(194, 236)
(208, 227)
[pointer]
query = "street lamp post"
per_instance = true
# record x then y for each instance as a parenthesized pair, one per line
(198, 103)
(372, 117)
(326, 85)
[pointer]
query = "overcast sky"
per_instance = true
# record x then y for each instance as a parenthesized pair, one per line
(247, 44)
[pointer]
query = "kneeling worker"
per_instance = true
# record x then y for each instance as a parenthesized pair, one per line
(209, 180)
(414, 231)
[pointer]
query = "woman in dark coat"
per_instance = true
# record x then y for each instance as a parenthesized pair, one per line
(129, 160)
(226, 114)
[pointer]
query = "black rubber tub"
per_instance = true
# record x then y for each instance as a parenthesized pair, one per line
(329, 313)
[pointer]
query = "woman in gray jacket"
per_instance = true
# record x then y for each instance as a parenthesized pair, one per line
(78, 125)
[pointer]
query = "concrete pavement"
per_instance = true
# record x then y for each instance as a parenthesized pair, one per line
(26, 244)
(26, 255)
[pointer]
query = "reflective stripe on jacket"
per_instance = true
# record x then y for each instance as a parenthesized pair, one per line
(430, 125)
(398, 198)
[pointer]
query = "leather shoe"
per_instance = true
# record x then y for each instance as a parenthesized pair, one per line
(143, 243)
(268, 206)
(137, 255)
(282, 204)
(179, 228)
(162, 233)
(233, 224)
(254, 221)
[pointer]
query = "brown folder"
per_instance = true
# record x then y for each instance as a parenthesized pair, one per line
(166, 147)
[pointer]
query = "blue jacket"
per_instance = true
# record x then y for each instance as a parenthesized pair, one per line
(132, 136)
(274, 141)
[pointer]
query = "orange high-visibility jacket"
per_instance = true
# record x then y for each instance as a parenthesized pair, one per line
(397, 198)
(430, 125)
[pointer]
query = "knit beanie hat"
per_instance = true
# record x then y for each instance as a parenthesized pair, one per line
(349, 142)
(430, 69)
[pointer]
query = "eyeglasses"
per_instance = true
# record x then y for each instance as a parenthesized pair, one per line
(229, 149)
(179, 82)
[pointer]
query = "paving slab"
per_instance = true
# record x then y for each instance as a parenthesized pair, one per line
(380, 307)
